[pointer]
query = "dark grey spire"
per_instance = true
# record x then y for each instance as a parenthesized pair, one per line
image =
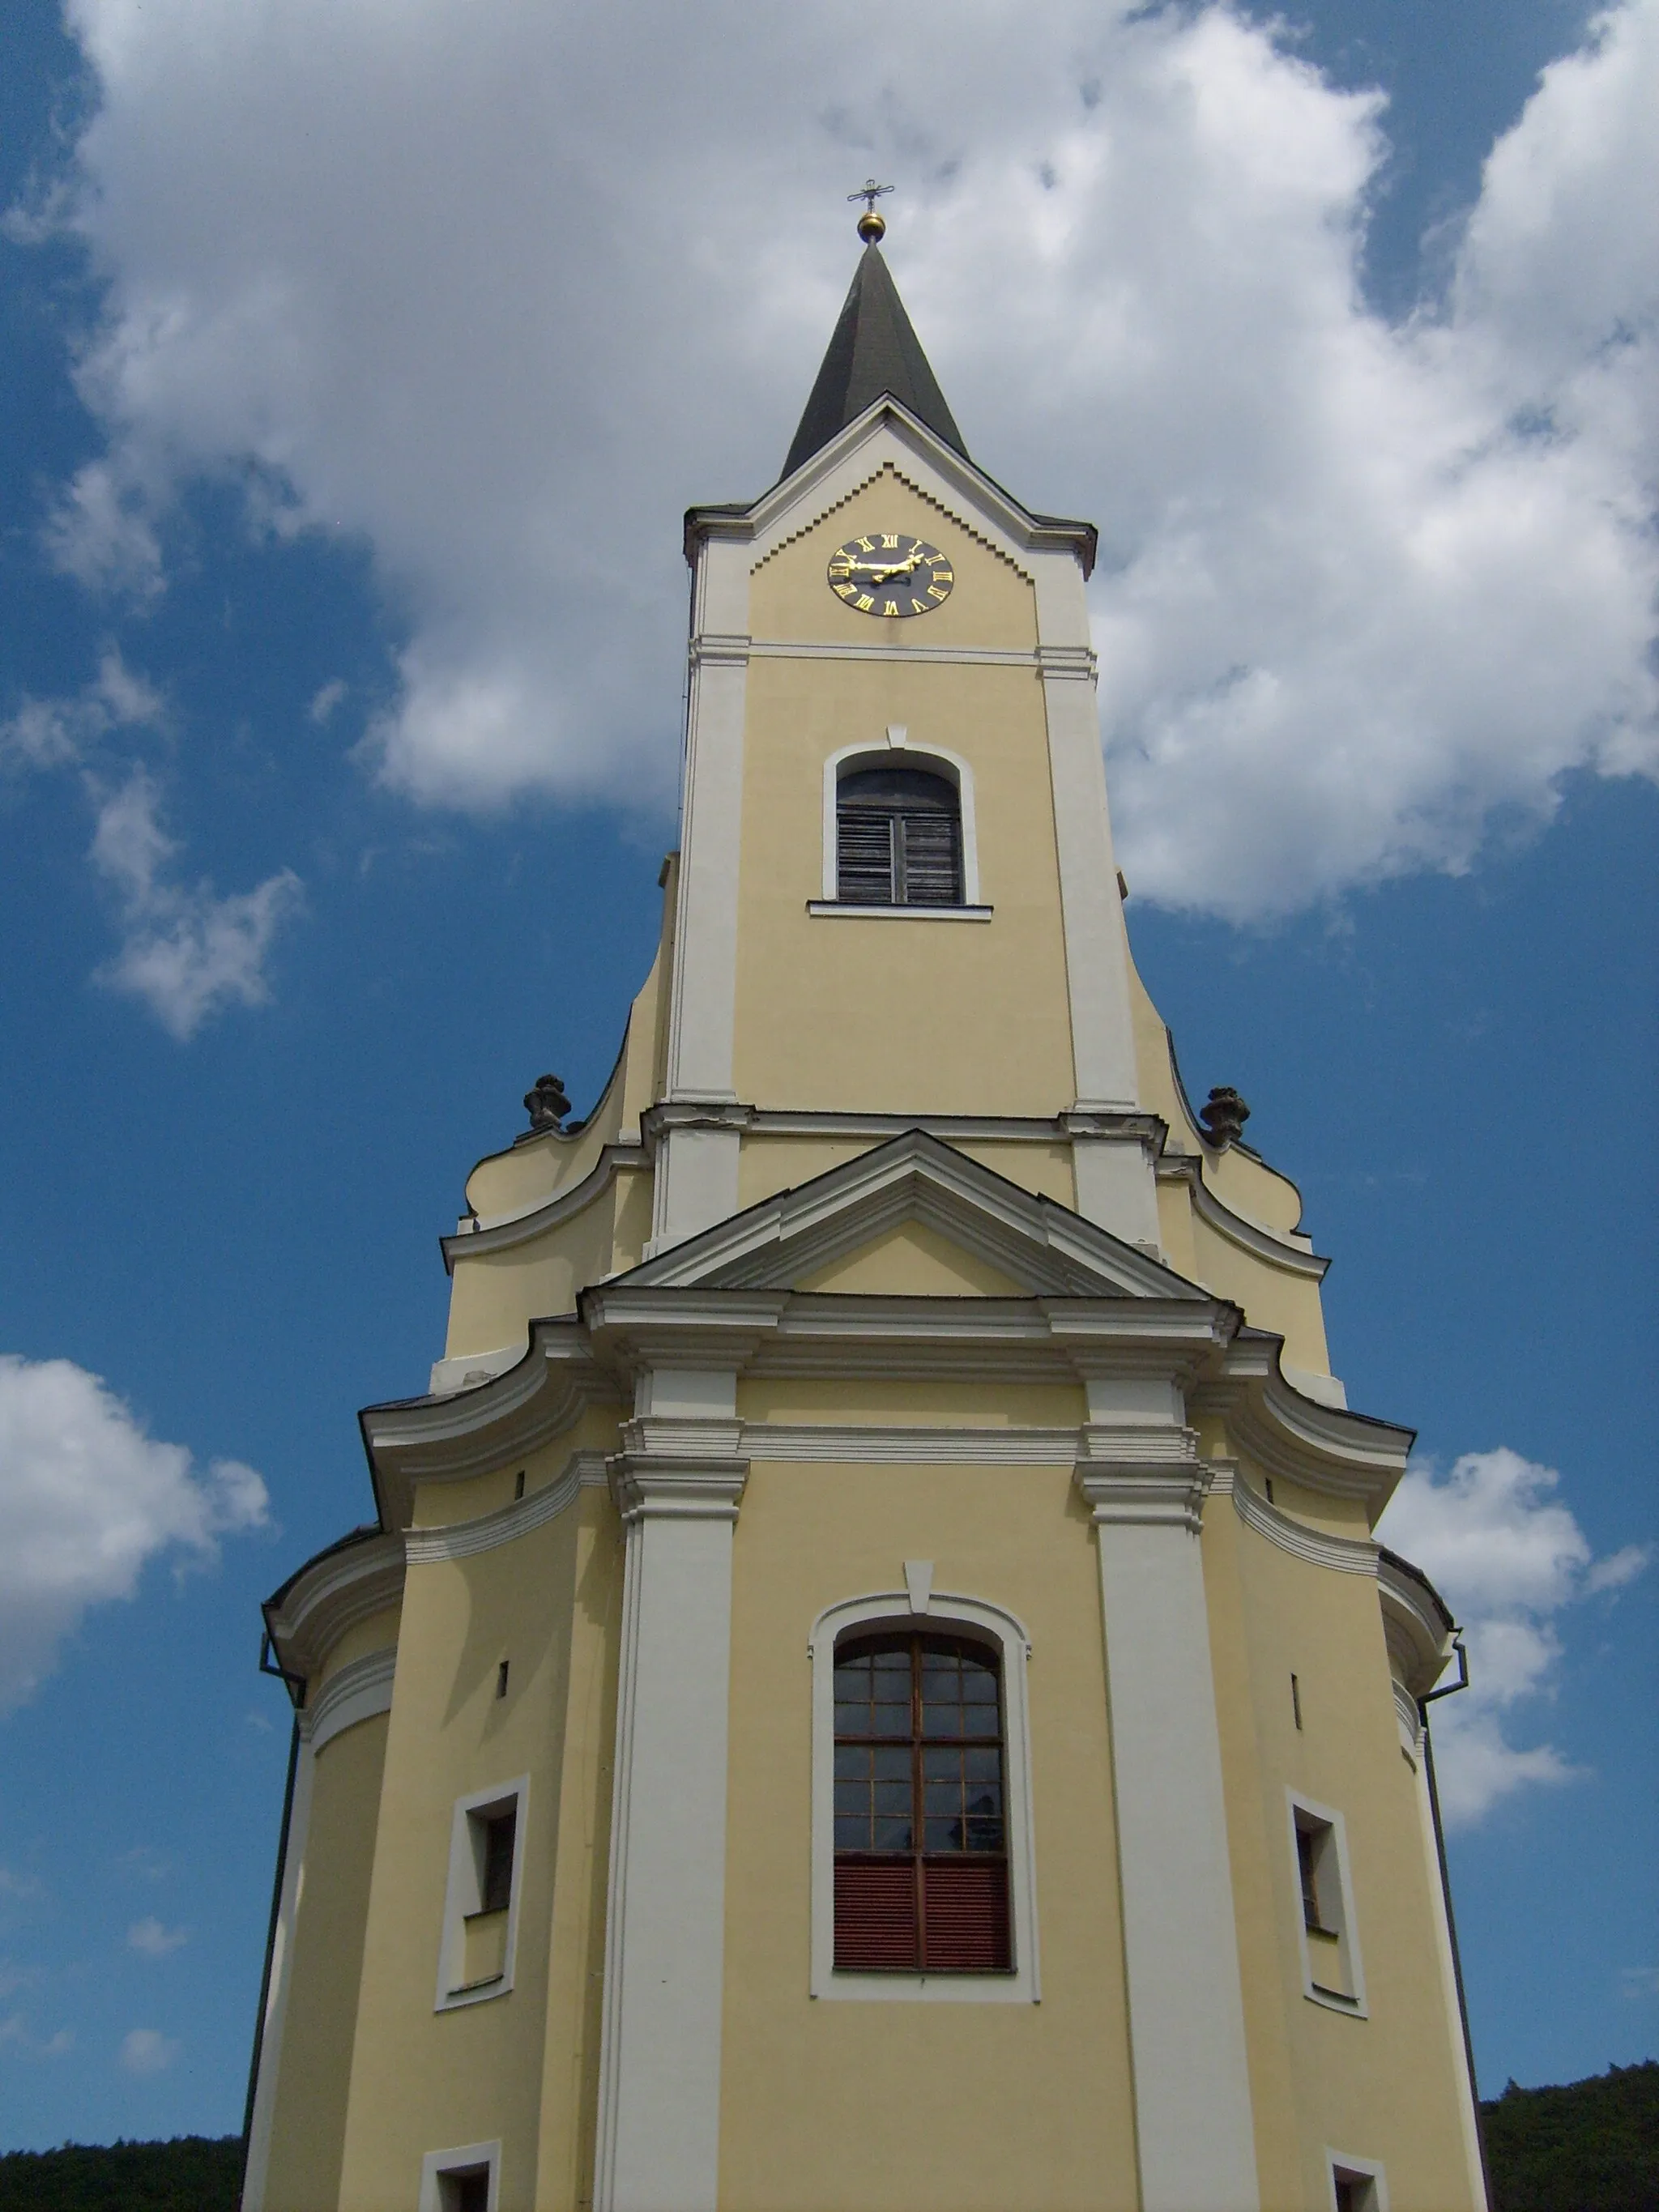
(874, 351)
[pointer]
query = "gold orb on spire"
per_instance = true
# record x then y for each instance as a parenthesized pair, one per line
(872, 223)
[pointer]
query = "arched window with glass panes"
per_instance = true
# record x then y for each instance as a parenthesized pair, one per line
(921, 1836)
(898, 838)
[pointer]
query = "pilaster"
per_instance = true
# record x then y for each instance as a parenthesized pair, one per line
(677, 1482)
(1194, 2132)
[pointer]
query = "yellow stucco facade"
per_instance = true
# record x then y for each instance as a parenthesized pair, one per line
(892, 1287)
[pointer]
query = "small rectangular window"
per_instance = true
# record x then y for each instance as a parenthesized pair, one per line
(1295, 1700)
(465, 2179)
(481, 1900)
(499, 1830)
(1330, 1947)
(1358, 2185)
(470, 2192)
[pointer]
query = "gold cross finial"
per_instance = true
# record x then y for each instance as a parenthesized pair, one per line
(872, 224)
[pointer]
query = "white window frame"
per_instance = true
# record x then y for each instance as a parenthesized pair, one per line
(1347, 1933)
(462, 1895)
(1342, 2166)
(464, 2159)
(923, 1610)
(908, 756)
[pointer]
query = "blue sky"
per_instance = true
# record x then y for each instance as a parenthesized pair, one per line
(360, 367)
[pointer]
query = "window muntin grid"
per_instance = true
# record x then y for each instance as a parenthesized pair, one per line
(918, 1724)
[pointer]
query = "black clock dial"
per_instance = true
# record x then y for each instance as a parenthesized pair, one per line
(888, 573)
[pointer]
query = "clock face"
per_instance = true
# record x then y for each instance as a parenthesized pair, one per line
(888, 573)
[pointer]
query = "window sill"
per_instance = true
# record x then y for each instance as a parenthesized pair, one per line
(853, 906)
(1333, 2000)
(886, 1985)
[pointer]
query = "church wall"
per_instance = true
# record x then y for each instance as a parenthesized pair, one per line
(378, 1633)
(423, 2079)
(320, 2020)
(858, 1011)
(1383, 2086)
(910, 1401)
(831, 2103)
(495, 1294)
(770, 1164)
(1272, 1297)
(838, 1012)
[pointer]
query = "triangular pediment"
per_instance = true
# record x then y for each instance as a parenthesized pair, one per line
(887, 436)
(914, 1218)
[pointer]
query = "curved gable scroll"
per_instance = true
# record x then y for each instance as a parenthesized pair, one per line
(921, 1607)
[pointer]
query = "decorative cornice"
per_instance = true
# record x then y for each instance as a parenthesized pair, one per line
(839, 1443)
(1349, 1555)
(1075, 662)
(1410, 1717)
(460, 1540)
(475, 1429)
(693, 1113)
(938, 655)
(1419, 1631)
(671, 1489)
(331, 1594)
(361, 1689)
(1107, 1445)
(1156, 1497)
(1044, 1246)
(503, 1230)
(1292, 1254)
(714, 648)
(1326, 1447)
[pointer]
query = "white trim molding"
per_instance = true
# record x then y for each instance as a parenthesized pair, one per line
(463, 1894)
(1348, 1555)
(1333, 1885)
(943, 1610)
(678, 1483)
(465, 2159)
(360, 1690)
(459, 1539)
(1180, 1936)
(852, 910)
(1343, 2165)
(880, 752)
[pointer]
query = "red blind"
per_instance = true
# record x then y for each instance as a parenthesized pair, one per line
(965, 1915)
(876, 1913)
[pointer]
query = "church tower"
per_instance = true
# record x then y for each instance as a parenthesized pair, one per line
(871, 1683)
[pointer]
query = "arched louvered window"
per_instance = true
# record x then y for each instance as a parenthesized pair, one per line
(898, 838)
(921, 1832)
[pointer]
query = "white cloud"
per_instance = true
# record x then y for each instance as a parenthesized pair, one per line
(326, 699)
(16, 2034)
(86, 1499)
(1508, 1558)
(147, 2051)
(186, 952)
(48, 732)
(152, 1940)
(100, 533)
(1364, 586)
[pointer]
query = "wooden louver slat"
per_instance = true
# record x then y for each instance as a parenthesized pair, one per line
(876, 1914)
(964, 1915)
(932, 859)
(863, 858)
